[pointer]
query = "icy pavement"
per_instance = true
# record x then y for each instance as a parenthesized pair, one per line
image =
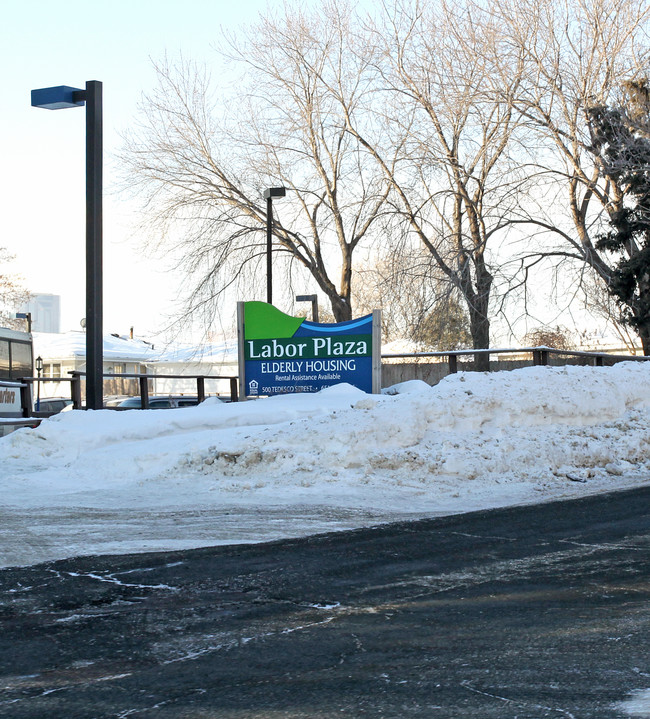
(38, 535)
(638, 705)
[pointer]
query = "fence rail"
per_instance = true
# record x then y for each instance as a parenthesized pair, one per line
(75, 380)
(144, 379)
(540, 356)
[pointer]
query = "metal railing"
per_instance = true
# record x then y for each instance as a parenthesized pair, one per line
(540, 355)
(144, 379)
(27, 398)
(26, 384)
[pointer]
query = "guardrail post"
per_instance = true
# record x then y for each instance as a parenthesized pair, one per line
(453, 364)
(599, 361)
(144, 391)
(540, 357)
(25, 398)
(75, 390)
(200, 389)
(234, 396)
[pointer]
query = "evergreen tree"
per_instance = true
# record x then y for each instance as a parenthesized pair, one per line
(621, 138)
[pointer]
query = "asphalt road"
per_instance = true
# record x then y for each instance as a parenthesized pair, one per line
(519, 613)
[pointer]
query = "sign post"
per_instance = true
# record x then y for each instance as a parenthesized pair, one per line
(280, 354)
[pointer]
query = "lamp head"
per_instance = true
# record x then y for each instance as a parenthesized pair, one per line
(275, 192)
(57, 98)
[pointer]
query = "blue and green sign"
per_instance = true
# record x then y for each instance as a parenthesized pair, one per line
(279, 354)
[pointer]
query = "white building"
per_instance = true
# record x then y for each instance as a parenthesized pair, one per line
(64, 353)
(216, 359)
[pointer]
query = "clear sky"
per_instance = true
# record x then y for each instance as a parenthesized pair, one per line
(42, 186)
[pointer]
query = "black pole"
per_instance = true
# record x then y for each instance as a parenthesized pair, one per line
(269, 194)
(314, 304)
(94, 306)
(38, 389)
(269, 271)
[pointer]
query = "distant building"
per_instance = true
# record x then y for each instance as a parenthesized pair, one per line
(46, 313)
(219, 358)
(64, 353)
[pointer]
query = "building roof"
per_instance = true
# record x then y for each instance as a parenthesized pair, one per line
(225, 352)
(71, 345)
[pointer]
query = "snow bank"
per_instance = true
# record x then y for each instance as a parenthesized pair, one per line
(526, 426)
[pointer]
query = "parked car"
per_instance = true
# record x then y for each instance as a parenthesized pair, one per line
(115, 399)
(51, 405)
(158, 402)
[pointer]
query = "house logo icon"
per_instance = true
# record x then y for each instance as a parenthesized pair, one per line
(253, 387)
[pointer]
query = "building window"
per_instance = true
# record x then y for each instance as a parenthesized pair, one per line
(4, 359)
(52, 369)
(21, 359)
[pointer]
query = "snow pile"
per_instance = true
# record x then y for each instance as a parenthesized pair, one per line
(638, 705)
(527, 425)
(474, 440)
(532, 425)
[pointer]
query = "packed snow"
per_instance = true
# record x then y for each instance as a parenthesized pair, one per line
(105, 481)
(638, 705)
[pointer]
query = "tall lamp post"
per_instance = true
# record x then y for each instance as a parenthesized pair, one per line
(27, 316)
(57, 98)
(39, 369)
(314, 304)
(269, 194)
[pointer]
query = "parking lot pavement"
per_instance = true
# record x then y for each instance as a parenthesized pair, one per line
(525, 612)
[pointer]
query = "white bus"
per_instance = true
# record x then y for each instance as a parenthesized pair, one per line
(16, 361)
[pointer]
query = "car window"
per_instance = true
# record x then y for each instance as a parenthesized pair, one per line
(133, 402)
(52, 405)
(159, 403)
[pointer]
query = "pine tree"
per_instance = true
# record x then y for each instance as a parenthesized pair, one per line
(621, 138)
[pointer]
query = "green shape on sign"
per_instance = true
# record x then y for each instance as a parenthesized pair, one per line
(263, 321)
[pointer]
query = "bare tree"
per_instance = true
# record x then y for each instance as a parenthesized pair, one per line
(578, 54)
(12, 294)
(202, 167)
(557, 337)
(417, 302)
(603, 305)
(458, 120)
(400, 280)
(446, 106)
